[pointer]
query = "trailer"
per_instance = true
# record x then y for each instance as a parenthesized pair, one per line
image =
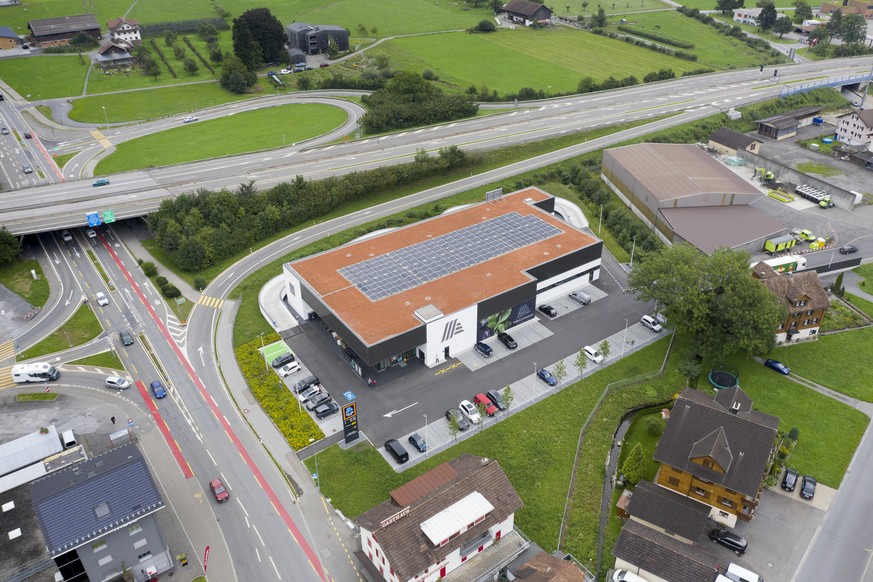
(779, 244)
(787, 264)
(35, 372)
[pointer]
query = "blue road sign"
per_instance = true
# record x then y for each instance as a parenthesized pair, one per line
(349, 395)
(94, 219)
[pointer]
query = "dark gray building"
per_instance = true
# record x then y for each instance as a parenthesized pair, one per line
(313, 38)
(98, 516)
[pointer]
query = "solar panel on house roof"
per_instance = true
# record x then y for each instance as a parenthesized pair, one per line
(405, 268)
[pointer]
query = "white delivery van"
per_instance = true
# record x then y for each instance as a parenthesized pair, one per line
(740, 574)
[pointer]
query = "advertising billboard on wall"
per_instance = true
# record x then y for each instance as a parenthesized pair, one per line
(504, 320)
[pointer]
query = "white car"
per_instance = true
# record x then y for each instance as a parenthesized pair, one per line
(101, 298)
(651, 323)
(92, 233)
(285, 72)
(309, 393)
(289, 369)
(470, 411)
(189, 119)
(592, 354)
(117, 383)
(66, 236)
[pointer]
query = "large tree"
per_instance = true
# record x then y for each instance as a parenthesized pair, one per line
(713, 299)
(244, 46)
(854, 29)
(728, 6)
(768, 16)
(802, 12)
(267, 32)
(835, 24)
(9, 249)
(235, 76)
(783, 24)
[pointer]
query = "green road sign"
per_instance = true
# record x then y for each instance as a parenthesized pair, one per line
(108, 216)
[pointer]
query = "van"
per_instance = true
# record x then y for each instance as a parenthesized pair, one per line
(396, 450)
(305, 383)
(651, 323)
(740, 574)
(68, 439)
(580, 297)
(626, 576)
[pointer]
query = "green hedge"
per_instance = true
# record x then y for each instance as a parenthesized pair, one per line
(656, 37)
(293, 421)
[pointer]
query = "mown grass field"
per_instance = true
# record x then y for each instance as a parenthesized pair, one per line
(711, 4)
(573, 9)
(18, 279)
(241, 133)
(45, 77)
(80, 328)
(101, 360)
(508, 60)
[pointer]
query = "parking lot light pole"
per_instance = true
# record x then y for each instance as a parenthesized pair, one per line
(425, 437)
(317, 476)
(624, 338)
(534, 381)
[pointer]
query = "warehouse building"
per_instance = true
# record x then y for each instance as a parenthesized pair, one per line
(686, 195)
(431, 290)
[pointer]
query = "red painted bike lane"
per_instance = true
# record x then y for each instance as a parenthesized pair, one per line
(259, 477)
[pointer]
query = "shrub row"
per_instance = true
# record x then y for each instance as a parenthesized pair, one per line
(656, 36)
(199, 56)
(274, 397)
(182, 26)
(757, 43)
(646, 44)
(163, 58)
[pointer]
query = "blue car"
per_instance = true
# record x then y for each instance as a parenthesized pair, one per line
(778, 366)
(158, 389)
(547, 377)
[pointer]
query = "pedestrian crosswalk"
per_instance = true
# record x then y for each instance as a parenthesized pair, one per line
(7, 351)
(6, 377)
(208, 301)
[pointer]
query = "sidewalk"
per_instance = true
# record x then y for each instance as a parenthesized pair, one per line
(132, 236)
(272, 307)
(851, 281)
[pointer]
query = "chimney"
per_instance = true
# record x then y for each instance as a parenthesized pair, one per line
(735, 407)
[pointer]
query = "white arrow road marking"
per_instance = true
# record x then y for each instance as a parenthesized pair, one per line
(393, 412)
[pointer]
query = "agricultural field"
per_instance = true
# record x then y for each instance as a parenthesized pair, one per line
(554, 60)
(47, 77)
(240, 133)
(710, 4)
(582, 8)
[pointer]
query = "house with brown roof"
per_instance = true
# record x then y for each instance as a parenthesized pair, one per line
(114, 53)
(656, 556)
(717, 451)
(126, 29)
(544, 567)
(60, 31)
(847, 7)
(804, 298)
(674, 515)
(527, 13)
(446, 520)
(727, 142)
(856, 128)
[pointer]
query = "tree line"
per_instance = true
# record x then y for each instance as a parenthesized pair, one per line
(199, 229)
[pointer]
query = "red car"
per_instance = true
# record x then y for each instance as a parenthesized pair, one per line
(485, 402)
(221, 494)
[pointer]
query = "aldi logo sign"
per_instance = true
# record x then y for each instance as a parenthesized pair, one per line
(452, 328)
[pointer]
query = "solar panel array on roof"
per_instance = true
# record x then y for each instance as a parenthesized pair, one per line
(405, 268)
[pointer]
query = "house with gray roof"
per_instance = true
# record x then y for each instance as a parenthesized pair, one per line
(727, 142)
(98, 517)
(654, 555)
(785, 125)
(856, 128)
(717, 451)
(443, 525)
(675, 515)
(61, 30)
(314, 38)
(8, 38)
(526, 13)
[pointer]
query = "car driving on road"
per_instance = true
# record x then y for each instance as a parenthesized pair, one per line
(101, 182)
(126, 338)
(158, 389)
(221, 494)
(117, 383)
(101, 298)
(189, 119)
(848, 249)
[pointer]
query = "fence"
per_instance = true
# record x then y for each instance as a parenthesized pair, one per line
(837, 82)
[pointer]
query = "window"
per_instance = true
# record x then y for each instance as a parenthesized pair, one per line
(145, 556)
(98, 546)
(134, 529)
(793, 324)
(815, 321)
(800, 303)
(812, 331)
(809, 312)
(725, 501)
(673, 481)
(701, 492)
(781, 325)
(369, 543)
(805, 322)
(708, 463)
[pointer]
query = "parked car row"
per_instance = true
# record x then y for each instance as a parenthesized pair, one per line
(317, 400)
(807, 483)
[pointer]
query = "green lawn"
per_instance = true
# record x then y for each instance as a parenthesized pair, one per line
(838, 317)
(866, 273)
(639, 432)
(535, 58)
(18, 16)
(82, 327)
(860, 303)
(37, 396)
(45, 77)
(235, 134)
(754, 29)
(18, 279)
(574, 9)
(834, 361)
(817, 168)
(101, 360)
(712, 49)
(711, 4)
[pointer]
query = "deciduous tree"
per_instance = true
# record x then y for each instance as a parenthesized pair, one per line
(768, 16)
(782, 25)
(560, 371)
(854, 29)
(8, 247)
(604, 349)
(802, 12)
(581, 361)
(835, 24)
(235, 76)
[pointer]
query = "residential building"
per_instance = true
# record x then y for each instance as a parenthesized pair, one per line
(8, 38)
(727, 142)
(804, 298)
(126, 29)
(747, 15)
(717, 450)
(856, 128)
(657, 557)
(443, 525)
(115, 53)
(60, 31)
(543, 567)
(314, 38)
(97, 517)
(527, 13)
(685, 194)
(862, 7)
(680, 517)
(429, 291)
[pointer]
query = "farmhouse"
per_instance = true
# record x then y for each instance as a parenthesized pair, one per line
(314, 38)
(8, 38)
(727, 142)
(126, 29)
(686, 195)
(804, 298)
(856, 128)
(448, 519)
(60, 31)
(114, 53)
(431, 290)
(527, 13)
(717, 451)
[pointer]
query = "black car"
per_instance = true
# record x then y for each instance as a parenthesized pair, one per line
(484, 349)
(789, 481)
(317, 400)
(495, 397)
(280, 361)
(848, 249)
(463, 423)
(325, 410)
(126, 338)
(416, 441)
(729, 540)
(507, 340)
(548, 310)
(807, 487)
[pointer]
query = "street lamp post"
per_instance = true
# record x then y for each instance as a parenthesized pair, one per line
(831, 260)
(427, 448)
(105, 116)
(633, 248)
(600, 222)
(316, 476)
(534, 381)
(624, 338)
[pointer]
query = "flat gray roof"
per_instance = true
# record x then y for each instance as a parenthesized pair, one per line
(712, 227)
(29, 449)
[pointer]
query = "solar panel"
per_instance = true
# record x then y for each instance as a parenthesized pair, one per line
(426, 261)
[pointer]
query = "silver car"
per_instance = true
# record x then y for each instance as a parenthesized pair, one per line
(117, 383)
(580, 297)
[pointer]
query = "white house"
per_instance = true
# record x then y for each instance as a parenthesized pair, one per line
(126, 29)
(856, 128)
(747, 15)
